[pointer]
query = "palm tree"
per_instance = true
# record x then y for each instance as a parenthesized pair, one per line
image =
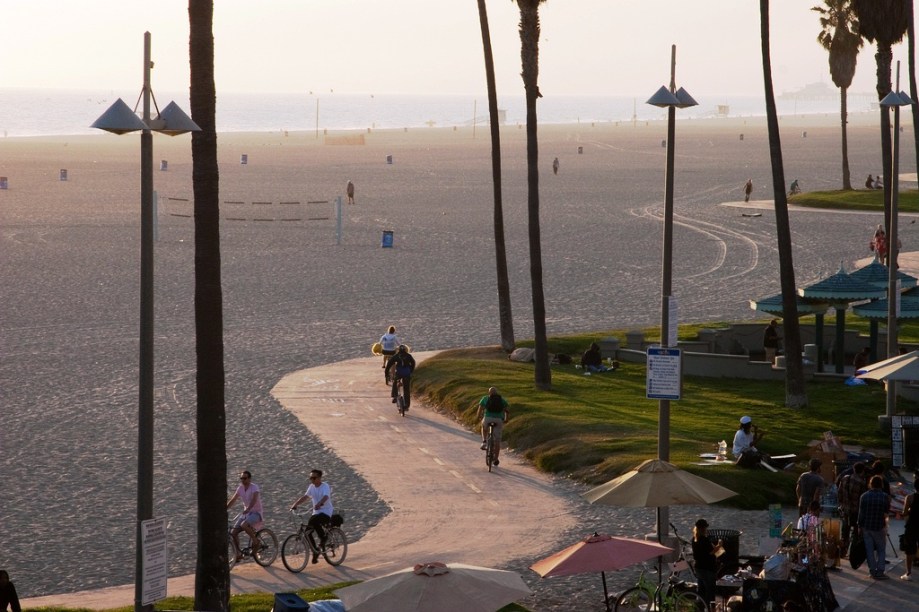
(883, 22)
(911, 53)
(504, 287)
(795, 394)
(212, 574)
(839, 36)
(529, 55)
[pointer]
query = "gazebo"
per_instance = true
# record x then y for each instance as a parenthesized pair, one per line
(876, 274)
(773, 306)
(839, 290)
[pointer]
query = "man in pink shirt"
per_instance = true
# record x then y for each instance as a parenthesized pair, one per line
(250, 518)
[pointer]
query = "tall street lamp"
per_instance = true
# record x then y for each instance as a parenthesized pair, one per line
(671, 99)
(120, 119)
(895, 100)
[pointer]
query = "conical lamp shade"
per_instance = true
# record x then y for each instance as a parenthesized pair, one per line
(685, 99)
(177, 122)
(119, 119)
(663, 98)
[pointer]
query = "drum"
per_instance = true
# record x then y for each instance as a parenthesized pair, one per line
(832, 540)
(376, 348)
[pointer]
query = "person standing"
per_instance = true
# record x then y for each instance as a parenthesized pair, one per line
(771, 340)
(851, 487)
(250, 518)
(872, 524)
(747, 190)
(350, 191)
(703, 552)
(320, 495)
(493, 410)
(909, 541)
(555, 166)
(810, 487)
(8, 597)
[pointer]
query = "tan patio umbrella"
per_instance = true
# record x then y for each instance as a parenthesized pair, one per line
(657, 483)
(900, 367)
(436, 587)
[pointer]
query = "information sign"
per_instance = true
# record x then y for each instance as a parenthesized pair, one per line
(664, 374)
(155, 560)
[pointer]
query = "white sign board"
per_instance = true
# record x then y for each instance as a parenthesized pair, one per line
(155, 560)
(664, 374)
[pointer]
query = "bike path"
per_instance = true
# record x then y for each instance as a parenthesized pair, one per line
(445, 505)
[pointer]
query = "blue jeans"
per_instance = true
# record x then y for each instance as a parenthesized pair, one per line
(876, 549)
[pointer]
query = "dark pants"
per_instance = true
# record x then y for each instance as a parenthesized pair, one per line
(407, 383)
(317, 521)
(707, 579)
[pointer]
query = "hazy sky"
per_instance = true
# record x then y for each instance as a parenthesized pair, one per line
(603, 47)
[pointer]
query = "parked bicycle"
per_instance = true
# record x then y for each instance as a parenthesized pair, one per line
(265, 553)
(491, 446)
(300, 546)
(678, 593)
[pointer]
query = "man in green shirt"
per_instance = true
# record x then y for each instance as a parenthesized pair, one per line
(494, 408)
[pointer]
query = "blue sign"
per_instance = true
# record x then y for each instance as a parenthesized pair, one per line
(664, 378)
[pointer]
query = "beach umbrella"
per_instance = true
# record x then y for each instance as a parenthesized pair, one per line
(657, 483)
(599, 553)
(901, 367)
(436, 587)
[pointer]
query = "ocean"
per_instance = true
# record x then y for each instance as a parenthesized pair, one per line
(46, 112)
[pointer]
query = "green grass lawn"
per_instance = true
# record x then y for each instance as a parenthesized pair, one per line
(594, 428)
(861, 199)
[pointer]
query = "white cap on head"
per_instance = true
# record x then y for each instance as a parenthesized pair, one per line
(745, 420)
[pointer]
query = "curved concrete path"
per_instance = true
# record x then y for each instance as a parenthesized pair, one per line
(445, 505)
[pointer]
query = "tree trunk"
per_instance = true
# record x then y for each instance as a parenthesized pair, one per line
(844, 117)
(505, 316)
(795, 394)
(884, 57)
(212, 574)
(529, 39)
(911, 51)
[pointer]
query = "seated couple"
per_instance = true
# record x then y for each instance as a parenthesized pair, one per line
(592, 361)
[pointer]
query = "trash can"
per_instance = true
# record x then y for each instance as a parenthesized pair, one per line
(386, 242)
(729, 562)
(289, 601)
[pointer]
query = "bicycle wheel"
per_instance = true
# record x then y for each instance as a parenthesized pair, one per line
(336, 546)
(268, 549)
(295, 553)
(688, 602)
(231, 552)
(634, 599)
(400, 402)
(490, 450)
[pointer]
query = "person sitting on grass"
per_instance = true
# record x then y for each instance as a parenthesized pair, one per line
(592, 360)
(744, 450)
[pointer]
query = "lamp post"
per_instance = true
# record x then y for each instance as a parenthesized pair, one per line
(120, 119)
(671, 99)
(895, 100)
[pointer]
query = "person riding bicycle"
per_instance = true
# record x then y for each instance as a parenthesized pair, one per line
(389, 343)
(494, 408)
(402, 364)
(320, 494)
(251, 516)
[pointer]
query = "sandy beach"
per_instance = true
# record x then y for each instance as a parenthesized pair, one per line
(295, 298)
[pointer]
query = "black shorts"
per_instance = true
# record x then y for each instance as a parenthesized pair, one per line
(909, 541)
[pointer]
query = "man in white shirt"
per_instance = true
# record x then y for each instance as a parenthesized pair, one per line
(320, 495)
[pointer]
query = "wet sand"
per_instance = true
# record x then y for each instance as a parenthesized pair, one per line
(296, 298)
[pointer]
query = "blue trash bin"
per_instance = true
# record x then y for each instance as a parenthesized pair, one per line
(284, 602)
(386, 243)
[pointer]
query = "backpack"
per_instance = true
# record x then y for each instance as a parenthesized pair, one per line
(494, 405)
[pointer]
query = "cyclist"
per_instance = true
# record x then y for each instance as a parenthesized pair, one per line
(320, 494)
(494, 408)
(389, 342)
(402, 364)
(251, 517)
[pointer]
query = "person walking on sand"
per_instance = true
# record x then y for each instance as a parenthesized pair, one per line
(747, 190)
(350, 190)
(555, 166)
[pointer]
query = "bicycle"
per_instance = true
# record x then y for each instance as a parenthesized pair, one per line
(677, 593)
(299, 546)
(267, 550)
(402, 400)
(491, 447)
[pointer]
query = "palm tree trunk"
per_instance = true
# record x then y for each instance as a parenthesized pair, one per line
(212, 575)
(795, 394)
(911, 51)
(844, 116)
(505, 317)
(529, 40)
(884, 58)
